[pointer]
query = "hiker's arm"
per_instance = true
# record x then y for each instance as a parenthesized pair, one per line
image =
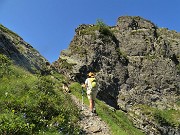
(84, 85)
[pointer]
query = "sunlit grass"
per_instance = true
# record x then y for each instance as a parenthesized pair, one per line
(34, 104)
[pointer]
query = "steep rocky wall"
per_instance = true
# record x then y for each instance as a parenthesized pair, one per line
(153, 60)
(136, 63)
(98, 53)
(22, 53)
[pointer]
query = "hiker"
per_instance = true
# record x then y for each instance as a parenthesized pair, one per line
(90, 85)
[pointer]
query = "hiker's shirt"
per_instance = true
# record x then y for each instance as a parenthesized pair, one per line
(91, 91)
(88, 83)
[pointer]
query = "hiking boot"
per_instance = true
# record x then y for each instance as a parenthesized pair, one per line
(93, 114)
(94, 111)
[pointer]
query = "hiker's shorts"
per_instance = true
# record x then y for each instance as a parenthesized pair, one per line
(92, 93)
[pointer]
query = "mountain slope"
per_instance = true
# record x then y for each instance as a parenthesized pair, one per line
(34, 104)
(22, 53)
(31, 98)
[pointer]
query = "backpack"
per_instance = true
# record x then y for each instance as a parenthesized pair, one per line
(93, 82)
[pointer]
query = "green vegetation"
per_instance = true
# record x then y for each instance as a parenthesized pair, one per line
(151, 57)
(121, 53)
(163, 117)
(138, 32)
(100, 26)
(4, 29)
(103, 28)
(65, 64)
(178, 68)
(33, 104)
(116, 120)
(167, 117)
(4, 63)
(79, 49)
(171, 34)
(178, 102)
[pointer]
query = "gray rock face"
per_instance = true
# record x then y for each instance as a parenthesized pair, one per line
(136, 63)
(20, 52)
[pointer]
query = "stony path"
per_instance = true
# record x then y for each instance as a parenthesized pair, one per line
(91, 125)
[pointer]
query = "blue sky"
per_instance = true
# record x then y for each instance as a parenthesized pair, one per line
(49, 25)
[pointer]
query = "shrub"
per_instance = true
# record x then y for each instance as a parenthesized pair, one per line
(5, 62)
(103, 28)
(15, 123)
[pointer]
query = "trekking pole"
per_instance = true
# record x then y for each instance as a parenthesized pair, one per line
(82, 93)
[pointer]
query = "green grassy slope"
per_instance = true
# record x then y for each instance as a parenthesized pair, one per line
(33, 104)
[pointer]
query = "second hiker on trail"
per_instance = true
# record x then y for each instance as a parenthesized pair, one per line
(90, 85)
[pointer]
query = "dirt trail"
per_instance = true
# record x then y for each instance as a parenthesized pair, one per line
(91, 125)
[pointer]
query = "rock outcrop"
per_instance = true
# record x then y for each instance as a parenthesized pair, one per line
(22, 53)
(136, 64)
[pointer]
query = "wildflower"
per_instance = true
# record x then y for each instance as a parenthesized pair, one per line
(6, 94)
(13, 111)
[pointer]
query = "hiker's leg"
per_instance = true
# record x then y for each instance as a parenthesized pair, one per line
(89, 95)
(91, 104)
(94, 94)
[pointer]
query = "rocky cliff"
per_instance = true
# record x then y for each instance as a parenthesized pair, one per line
(22, 53)
(137, 68)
